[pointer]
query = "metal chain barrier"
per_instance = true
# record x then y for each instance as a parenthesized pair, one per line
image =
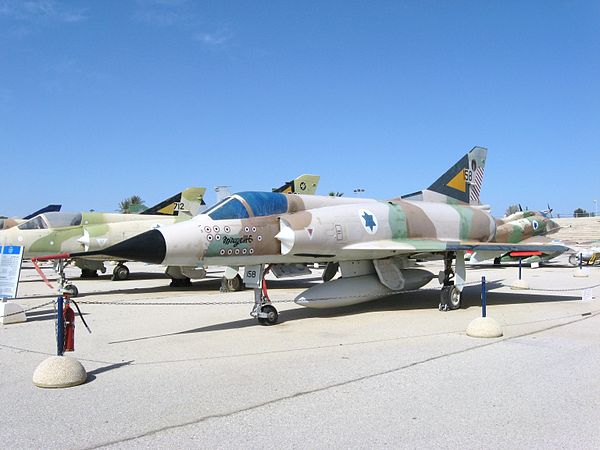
(562, 290)
(28, 309)
(146, 303)
(251, 302)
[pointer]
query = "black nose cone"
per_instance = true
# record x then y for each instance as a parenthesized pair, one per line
(148, 247)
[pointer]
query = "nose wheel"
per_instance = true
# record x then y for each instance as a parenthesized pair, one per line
(268, 315)
(263, 310)
(66, 286)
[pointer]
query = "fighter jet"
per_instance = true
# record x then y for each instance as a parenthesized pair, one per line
(526, 227)
(63, 232)
(181, 276)
(374, 243)
(9, 222)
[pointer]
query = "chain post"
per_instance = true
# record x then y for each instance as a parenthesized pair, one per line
(483, 297)
(60, 338)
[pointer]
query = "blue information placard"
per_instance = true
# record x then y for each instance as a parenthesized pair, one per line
(11, 257)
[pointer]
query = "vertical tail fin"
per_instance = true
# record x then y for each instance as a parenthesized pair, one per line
(45, 209)
(305, 184)
(461, 183)
(187, 202)
(222, 193)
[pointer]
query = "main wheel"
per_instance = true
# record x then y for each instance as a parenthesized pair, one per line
(574, 259)
(450, 298)
(235, 284)
(120, 273)
(271, 313)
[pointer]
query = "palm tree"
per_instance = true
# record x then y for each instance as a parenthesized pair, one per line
(512, 209)
(131, 205)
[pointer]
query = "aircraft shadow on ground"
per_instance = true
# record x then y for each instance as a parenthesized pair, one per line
(53, 278)
(426, 299)
(91, 375)
(206, 284)
(44, 314)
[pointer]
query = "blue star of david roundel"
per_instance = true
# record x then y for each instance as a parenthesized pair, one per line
(369, 221)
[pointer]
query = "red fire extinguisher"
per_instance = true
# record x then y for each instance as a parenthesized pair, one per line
(69, 321)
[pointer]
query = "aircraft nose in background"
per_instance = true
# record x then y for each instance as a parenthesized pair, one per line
(552, 226)
(148, 247)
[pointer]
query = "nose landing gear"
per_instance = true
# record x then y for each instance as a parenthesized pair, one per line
(263, 310)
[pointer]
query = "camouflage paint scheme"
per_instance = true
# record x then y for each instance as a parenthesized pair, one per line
(375, 240)
(525, 227)
(92, 231)
(333, 228)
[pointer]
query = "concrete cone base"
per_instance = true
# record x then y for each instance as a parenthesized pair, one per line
(484, 327)
(520, 284)
(584, 272)
(59, 372)
(14, 311)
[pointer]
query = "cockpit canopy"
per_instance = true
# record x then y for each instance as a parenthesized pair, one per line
(249, 204)
(52, 220)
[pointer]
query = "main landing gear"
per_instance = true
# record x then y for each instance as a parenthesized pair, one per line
(263, 310)
(120, 272)
(450, 296)
(234, 284)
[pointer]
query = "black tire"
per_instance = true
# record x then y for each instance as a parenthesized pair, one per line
(235, 284)
(71, 289)
(180, 282)
(272, 315)
(450, 298)
(89, 273)
(120, 273)
(574, 260)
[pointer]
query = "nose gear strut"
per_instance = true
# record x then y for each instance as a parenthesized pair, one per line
(263, 310)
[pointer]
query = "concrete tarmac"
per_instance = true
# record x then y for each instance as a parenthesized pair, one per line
(189, 368)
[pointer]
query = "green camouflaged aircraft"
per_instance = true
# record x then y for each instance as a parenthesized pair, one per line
(63, 232)
(52, 233)
(525, 227)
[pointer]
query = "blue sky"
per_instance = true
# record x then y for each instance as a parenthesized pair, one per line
(102, 100)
